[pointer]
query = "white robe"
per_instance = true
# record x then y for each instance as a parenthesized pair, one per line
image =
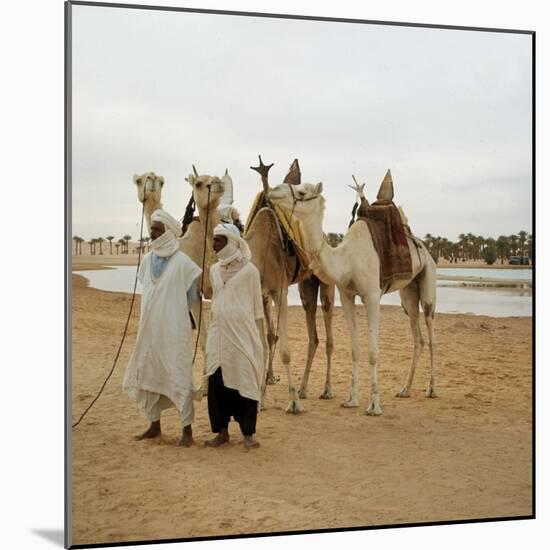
(162, 356)
(233, 341)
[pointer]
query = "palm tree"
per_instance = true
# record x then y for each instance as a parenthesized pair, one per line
(479, 242)
(100, 240)
(91, 242)
(121, 242)
(522, 238)
(471, 239)
(127, 239)
(110, 239)
(502, 247)
(463, 243)
(78, 244)
(117, 246)
(513, 239)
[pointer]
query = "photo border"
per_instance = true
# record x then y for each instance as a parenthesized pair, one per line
(68, 267)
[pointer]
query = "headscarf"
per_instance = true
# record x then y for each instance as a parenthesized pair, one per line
(235, 254)
(167, 244)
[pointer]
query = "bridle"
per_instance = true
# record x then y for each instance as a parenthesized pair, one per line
(296, 199)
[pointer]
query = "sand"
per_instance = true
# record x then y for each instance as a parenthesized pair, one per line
(464, 455)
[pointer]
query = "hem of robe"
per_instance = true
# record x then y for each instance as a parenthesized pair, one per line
(178, 405)
(247, 395)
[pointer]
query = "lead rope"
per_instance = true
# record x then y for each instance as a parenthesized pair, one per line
(202, 274)
(125, 328)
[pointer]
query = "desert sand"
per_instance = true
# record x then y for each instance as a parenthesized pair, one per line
(465, 455)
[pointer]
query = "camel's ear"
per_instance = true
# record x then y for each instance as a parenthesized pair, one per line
(191, 179)
(319, 188)
(160, 180)
(226, 172)
(136, 179)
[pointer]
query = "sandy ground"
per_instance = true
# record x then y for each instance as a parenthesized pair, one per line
(465, 455)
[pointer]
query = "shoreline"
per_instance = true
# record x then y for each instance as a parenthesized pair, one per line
(470, 281)
(84, 282)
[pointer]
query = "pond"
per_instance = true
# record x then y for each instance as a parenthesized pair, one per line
(495, 302)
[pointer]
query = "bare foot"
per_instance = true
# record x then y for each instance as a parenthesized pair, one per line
(250, 443)
(220, 439)
(151, 432)
(186, 437)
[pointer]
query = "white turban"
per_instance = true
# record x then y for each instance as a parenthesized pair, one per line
(233, 235)
(170, 223)
(167, 244)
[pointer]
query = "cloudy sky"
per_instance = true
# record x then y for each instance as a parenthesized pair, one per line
(450, 113)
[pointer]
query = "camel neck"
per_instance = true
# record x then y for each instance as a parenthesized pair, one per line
(213, 218)
(324, 262)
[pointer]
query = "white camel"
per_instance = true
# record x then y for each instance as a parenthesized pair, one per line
(354, 267)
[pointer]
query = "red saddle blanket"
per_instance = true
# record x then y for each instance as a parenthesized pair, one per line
(390, 241)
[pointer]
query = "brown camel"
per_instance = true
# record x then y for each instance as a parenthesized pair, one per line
(279, 268)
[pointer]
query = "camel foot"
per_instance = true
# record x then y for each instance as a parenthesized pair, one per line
(403, 393)
(431, 392)
(327, 394)
(294, 407)
(302, 393)
(374, 410)
(350, 403)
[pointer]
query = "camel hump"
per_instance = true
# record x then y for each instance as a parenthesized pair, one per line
(385, 192)
(294, 176)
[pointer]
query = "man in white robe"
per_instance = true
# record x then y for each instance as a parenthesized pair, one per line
(159, 374)
(235, 360)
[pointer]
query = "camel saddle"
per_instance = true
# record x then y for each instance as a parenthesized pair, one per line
(389, 236)
(290, 234)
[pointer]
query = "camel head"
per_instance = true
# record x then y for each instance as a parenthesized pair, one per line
(200, 185)
(149, 187)
(302, 200)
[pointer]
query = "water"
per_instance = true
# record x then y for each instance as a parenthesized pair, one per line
(498, 302)
(504, 274)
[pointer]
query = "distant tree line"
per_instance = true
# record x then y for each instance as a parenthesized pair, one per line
(95, 245)
(471, 247)
(467, 247)
(475, 247)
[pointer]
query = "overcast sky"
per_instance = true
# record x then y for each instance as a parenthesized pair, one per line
(449, 112)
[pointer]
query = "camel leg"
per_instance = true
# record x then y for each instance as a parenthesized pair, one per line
(280, 298)
(372, 302)
(409, 302)
(349, 311)
(327, 304)
(271, 339)
(308, 294)
(427, 285)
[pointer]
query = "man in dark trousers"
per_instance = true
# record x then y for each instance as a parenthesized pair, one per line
(235, 349)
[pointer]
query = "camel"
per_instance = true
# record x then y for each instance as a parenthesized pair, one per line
(354, 267)
(149, 187)
(278, 270)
